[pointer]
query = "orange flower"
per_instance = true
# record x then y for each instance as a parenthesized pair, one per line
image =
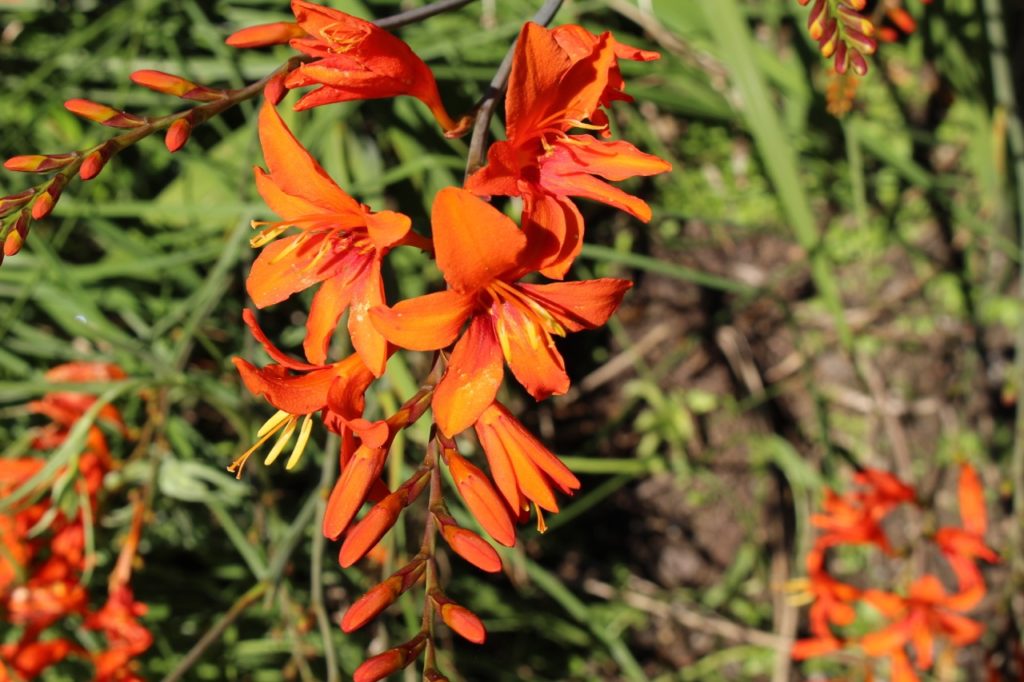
(340, 244)
(558, 81)
(927, 613)
(353, 60)
(856, 518)
(298, 390)
(523, 469)
(962, 547)
(481, 254)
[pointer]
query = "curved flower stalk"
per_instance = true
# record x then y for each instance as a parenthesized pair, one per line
(919, 619)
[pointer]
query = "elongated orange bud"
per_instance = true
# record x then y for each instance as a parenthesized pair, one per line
(357, 475)
(459, 618)
(467, 544)
(169, 84)
(382, 595)
(263, 35)
(372, 527)
(13, 202)
(481, 498)
(391, 661)
(95, 161)
(45, 202)
(39, 163)
(102, 114)
(177, 135)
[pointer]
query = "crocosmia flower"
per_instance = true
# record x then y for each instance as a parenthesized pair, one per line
(559, 81)
(340, 245)
(481, 254)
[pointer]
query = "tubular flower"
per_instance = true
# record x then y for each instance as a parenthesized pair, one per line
(352, 60)
(298, 390)
(340, 245)
(559, 80)
(481, 254)
(926, 614)
(523, 469)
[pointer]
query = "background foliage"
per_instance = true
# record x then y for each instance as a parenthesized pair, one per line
(812, 292)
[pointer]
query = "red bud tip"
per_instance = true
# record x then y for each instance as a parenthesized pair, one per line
(391, 661)
(469, 546)
(263, 35)
(367, 607)
(368, 532)
(102, 114)
(380, 596)
(432, 675)
(92, 165)
(465, 622)
(380, 666)
(13, 202)
(39, 163)
(177, 135)
(45, 202)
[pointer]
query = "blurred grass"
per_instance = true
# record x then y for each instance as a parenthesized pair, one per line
(778, 223)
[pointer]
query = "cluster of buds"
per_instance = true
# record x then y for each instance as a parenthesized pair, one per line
(493, 312)
(42, 548)
(917, 618)
(18, 210)
(843, 33)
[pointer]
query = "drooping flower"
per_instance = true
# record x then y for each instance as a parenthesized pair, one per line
(524, 470)
(340, 246)
(856, 517)
(917, 621)
(559, 81)
(299, 390)
(352, 60)
(481, 254)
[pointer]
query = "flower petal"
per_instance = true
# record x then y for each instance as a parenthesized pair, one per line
(554, 233)
(368, 293)
(471, 381)
(475, 242)
(292, 264)
(294, 171)
(530, 352)
(329, 304)
(298, 394)
(424, 323)
(580, 305)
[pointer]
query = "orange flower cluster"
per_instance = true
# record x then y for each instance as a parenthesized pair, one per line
(493, 311)
(926, 613)
(41, 573)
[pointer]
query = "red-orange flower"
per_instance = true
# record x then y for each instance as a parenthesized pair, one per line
(559, 81)
(481, 254)
(353, 60)
(856, 518)
(927, 613)
(340, 245)
(298, 390)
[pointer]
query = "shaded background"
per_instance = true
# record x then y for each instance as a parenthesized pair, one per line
(813, 293)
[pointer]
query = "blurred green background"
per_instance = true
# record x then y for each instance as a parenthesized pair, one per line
(812, 292)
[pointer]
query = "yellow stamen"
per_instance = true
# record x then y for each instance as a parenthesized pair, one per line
(282, 440)
(271, 424)
(300, 444)
(541, 526)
